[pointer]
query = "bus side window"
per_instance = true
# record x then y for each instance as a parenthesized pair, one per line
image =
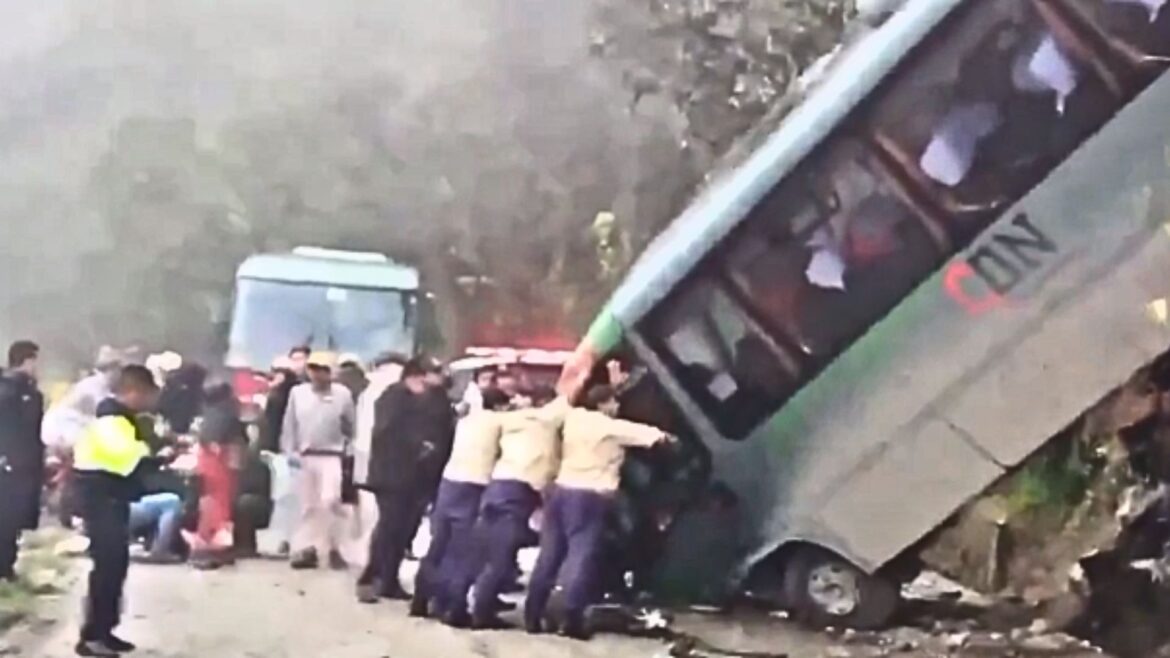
(1137, 31)
(822, 281)
(728, 366)
(987, 107)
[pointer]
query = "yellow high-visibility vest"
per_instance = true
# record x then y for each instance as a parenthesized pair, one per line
(109, 444)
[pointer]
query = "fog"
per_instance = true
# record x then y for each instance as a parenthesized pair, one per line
(147, 147)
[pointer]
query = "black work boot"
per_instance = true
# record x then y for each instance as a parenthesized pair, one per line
(533, 625)
(492, 623)
(118, 644)
(576, 626)
(306, 560)
(368, 593)
(457, 619)
(420, 605)
(394, 592)
(95, 648)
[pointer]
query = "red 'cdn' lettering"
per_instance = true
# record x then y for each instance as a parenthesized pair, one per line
(953, 280)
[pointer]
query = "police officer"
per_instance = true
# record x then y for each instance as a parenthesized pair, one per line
(449, 565)
(109, 462)
(581, 502)
(529, 451)
(22, 454)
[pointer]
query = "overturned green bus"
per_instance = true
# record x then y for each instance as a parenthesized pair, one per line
(942, 256)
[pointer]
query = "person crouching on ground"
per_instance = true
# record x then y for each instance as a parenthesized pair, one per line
(318, 429)
(449, 565)
(221, 440)
(109, 463)
(577, 510)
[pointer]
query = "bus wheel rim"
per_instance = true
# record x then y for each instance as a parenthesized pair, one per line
(835, 589)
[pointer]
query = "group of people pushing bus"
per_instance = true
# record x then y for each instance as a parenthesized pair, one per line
(509, 457)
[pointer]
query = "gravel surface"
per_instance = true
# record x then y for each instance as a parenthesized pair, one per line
(263, 609)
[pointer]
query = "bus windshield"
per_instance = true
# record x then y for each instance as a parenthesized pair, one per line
(270, 317)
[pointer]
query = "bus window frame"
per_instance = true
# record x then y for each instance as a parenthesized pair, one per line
(818, 164)
(941, 202)
(650, 331)
(1069, 36)
(1133, 68)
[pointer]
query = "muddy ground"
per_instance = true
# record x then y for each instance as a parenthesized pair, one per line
(263, 609)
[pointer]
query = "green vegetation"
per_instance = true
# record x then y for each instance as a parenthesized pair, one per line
(16, 603)
(42, 573)
(1055, 480)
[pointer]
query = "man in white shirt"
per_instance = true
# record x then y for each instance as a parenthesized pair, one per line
(387, 372)
(318, 430)
(485, 378)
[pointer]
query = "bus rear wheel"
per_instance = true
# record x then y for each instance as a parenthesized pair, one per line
(824, 589)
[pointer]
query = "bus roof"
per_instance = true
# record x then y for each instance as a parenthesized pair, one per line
(724, 203)
(321, 268)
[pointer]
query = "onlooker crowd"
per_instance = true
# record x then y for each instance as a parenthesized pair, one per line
(160, 454)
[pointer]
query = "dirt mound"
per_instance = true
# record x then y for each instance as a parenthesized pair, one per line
(1077, 533)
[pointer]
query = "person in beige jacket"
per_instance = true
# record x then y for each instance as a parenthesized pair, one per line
(445, 573)
(593, 449)
(529, 455)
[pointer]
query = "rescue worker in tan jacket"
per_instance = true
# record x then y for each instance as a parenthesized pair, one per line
(593, 449)
(529, 455)
(448, 568)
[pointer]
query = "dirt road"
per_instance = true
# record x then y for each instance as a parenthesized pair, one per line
(262, 609)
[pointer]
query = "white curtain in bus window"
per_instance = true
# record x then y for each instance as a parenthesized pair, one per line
(1137, 29)
(826, 284)
(1152, 7)
(826, 268)
(995, 101)
(951, 151)
(722, 360)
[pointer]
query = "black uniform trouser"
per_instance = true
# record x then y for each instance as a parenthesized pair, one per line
(10, 527)
(20, 493)
(107, 522)
(397, 522)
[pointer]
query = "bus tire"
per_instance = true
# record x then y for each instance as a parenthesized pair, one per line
(823, 589)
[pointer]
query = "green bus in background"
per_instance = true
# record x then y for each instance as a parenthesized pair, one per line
(957, 243)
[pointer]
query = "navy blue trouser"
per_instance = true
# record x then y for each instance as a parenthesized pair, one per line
(570, 549)
(451, 558)
(503, 522)
(107, 523)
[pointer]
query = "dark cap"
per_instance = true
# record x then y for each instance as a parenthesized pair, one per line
(413, 368)
(495, 399)
(598, 395)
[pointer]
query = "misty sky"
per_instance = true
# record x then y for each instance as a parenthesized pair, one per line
(72, 70)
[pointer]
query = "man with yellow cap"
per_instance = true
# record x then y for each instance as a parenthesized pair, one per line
(318, 430)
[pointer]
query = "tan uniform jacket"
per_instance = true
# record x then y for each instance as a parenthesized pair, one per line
(594, 448)
(476, 448)
(530, 444)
